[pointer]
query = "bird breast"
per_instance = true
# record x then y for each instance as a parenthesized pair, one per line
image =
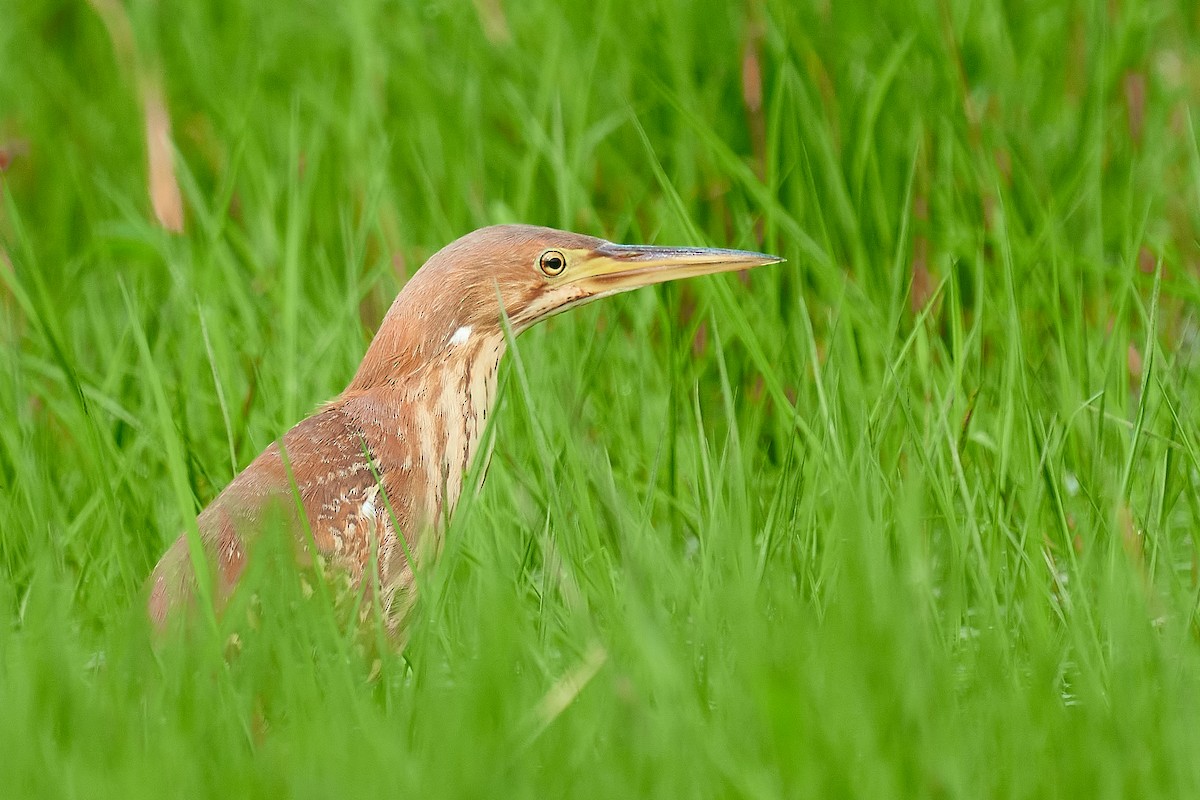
(381, 468)
(424, 432)
(466, 395)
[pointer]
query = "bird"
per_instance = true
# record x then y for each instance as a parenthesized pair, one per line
(377, 471)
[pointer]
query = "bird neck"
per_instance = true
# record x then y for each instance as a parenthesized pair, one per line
(425, 388)
(427, 324)
(414, 357)
(429, 422)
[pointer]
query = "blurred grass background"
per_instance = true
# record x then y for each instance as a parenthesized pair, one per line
(911, 515)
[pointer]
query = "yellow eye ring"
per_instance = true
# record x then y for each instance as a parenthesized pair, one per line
(552, 263)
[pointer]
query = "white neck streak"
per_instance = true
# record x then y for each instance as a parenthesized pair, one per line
(463, 400)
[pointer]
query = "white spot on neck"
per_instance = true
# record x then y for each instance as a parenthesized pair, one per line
(461, 335)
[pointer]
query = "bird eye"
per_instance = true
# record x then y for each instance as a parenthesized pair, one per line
(552, 262)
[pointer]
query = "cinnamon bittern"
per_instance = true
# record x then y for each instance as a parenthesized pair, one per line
(378, 469)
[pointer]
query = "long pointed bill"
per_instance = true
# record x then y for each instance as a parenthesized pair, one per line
(619, 267)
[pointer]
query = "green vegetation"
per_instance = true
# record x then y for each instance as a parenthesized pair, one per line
(911, 515)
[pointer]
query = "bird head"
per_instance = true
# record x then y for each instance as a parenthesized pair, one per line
(524, 274)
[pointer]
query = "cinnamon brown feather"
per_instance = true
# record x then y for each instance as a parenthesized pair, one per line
(379, 469)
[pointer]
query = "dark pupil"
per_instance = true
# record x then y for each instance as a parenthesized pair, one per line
(553, 263)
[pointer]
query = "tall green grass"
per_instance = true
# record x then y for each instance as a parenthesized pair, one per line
(910, 515)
